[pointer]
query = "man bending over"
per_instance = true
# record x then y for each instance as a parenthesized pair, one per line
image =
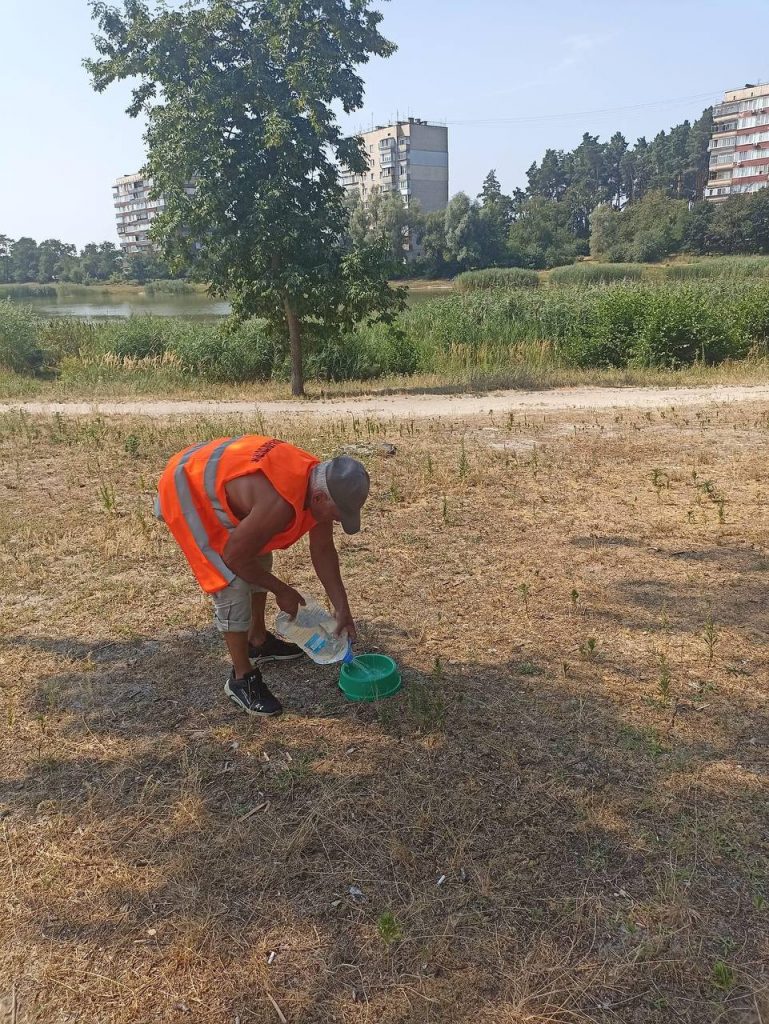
(229, 504)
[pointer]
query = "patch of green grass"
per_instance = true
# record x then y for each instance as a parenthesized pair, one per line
(645, 740)
(388, 928)
(722, 976)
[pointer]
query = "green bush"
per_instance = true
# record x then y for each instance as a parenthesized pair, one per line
(603, 326)
(20, 346)
(373, 351)
(496, 278)
(613, 326)
(678, 328)
(585, 274)
(65, 336)
(749, 307)
(223, 352)
(136, 337)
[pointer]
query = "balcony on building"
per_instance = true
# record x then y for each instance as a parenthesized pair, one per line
(727, 126)
(725, 109)
(727, 142)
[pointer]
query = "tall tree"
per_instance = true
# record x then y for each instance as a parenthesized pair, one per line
(240, 97)
(492, 197)
(616, 150)
(384, 219)
(698, 156)
(110, 260)
(464, 233)
(5, 258)
(51, 255)
(496, 216)
(542, 235)
(24, 260)
(551, 178)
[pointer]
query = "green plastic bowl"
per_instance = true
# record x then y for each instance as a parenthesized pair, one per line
(369, 677)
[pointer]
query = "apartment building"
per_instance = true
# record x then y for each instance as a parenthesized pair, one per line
(134, 211)
(739, 145)
(408, 157)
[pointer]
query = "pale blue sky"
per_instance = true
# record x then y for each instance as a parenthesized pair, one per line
(553, 70)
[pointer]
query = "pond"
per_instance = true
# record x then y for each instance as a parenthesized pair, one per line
(105, 304)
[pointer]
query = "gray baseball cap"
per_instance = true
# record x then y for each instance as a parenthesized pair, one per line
(347, 483)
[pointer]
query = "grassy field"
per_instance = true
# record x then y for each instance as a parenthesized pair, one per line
(561, 818)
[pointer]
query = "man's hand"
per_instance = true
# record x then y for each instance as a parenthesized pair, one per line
(288, 600)
(346, 623)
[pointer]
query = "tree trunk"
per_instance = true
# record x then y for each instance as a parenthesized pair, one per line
(295, 337)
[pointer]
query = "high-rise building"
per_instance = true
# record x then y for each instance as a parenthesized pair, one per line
(134, 211)
(739, 145)
(408, 157)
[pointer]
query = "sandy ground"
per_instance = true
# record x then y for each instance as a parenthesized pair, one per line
(412, 406)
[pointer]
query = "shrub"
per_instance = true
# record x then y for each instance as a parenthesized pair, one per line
(66, 336)
(372, 351)
(223, 351)
(677, 328)
(496, 278)
(749, 309)
(603, 326)
(135, 337)
(20, 348)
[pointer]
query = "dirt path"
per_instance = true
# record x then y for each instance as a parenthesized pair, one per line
(413, 406)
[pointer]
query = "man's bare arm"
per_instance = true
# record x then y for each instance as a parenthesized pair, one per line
(326, 564)
(269, 515)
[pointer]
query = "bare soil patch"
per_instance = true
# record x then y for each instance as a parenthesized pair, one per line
(561, 818)
(417, 405)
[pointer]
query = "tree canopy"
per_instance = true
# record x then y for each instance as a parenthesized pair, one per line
(240, 97)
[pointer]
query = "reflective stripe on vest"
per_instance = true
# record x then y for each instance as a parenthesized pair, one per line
(209, 482)
(190, 513)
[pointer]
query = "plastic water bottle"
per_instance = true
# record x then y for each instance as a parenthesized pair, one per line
(313, 631)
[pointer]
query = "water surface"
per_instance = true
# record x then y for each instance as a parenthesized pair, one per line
(104, 305)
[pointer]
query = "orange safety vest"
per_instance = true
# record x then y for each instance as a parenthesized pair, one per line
(193, 501)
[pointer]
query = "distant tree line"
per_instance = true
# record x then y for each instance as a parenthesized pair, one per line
(658, 226)
(24, 260)
(616, 201)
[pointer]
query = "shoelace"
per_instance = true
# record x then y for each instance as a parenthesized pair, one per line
(255, 687)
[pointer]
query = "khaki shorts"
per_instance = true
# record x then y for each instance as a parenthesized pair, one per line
(232, 606)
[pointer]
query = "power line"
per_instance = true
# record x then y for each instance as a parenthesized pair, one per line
(536, 118)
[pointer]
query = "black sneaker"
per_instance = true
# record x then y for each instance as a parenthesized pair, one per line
(274, 649)
(251, 694)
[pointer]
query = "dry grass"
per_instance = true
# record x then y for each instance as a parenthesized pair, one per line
(579, 752)
(133, 378)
